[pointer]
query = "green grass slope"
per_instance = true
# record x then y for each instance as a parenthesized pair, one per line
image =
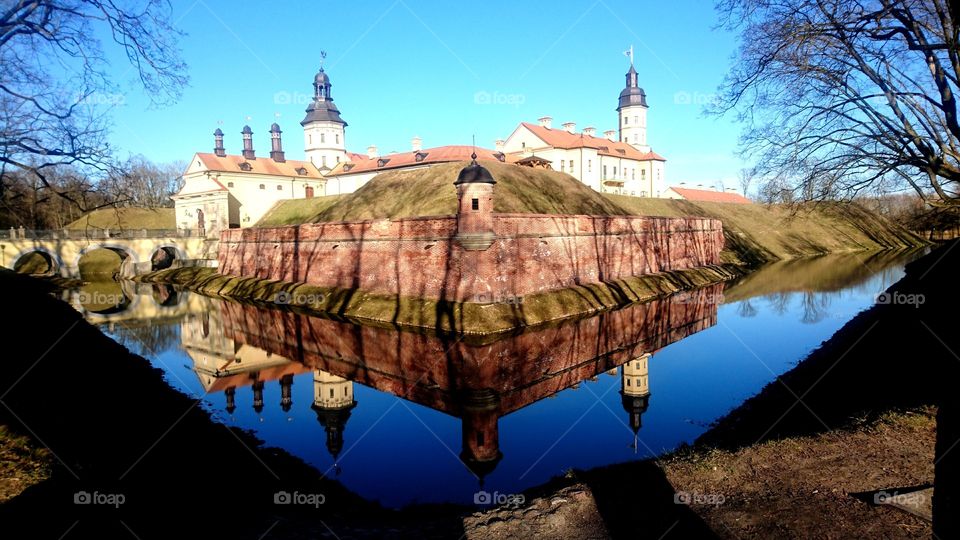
(754, 233)
(126, 218)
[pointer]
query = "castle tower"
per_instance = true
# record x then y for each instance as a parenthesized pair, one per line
(218, 148)
(248, 152)
(475, 207)
(323, 141)
(632, 111)
(635, 389)
(480, 433)
(276, 144)
(332, 401)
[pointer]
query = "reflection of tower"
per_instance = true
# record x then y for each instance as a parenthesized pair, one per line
(481, 436)
(231, 395)
(257, 392)
(332, 401)
(286, 390)
(635, 389)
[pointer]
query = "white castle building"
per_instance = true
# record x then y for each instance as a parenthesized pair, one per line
(223, 190)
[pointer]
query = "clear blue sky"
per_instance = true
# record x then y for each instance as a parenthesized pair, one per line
(401, 68)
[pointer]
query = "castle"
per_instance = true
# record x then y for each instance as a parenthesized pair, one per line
(222, 191)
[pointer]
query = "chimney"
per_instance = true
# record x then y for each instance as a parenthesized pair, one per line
(498, 144)
(569, 127)
(416, 143)
(610, 134)
(545, 121)
(276, 146)
(248, 143)
(218, 143)
(590, 131)
(372, 151)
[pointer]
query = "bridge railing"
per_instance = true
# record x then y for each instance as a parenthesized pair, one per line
(91, 234)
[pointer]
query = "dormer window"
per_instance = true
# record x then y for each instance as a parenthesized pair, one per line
(302, 171)
(246, 166)
(500, 157)
(621, 151)
(419, 156)
(381, 162)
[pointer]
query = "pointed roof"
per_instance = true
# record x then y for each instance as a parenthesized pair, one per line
(231, 163)
(706, 195)
(427, 156)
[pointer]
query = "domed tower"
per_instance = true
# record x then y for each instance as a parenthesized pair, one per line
(632, 110)
(475, 207)
(323, 141)
(635, 389)
(480, 433)
(332, 401)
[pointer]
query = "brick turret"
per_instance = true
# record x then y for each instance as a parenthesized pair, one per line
(475, 207)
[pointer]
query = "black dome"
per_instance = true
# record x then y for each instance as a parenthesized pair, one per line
(632, 96)
(275, 127)
(321, 78)
(474, 173)
(246, 130)
(218, 132)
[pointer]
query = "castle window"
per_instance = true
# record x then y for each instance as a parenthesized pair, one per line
(323, 161)
(643, 174)
(523, 145)
(589, 165)
(279, 187)
(418, 157)
(331, 392)
(633, 174)
(323, 138)
(635, 120)
(475, 204)
(263, 186)
(302, 171)
(604, 171)
(336, 138)
(626, 120)
(229, 184)
(309, 138)
(563, 166)
(571, 165)
(381, 162)
(246, 166)
(338, 159)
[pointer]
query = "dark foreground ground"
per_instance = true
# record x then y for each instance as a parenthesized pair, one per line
(785, 463)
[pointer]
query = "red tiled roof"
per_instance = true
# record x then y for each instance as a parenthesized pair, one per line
(441, 154)
(560, 138)
(231, 163)
(705, 195)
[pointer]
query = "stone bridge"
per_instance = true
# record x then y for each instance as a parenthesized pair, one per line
(140, 250)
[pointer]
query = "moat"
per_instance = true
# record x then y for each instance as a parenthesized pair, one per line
(401, 417)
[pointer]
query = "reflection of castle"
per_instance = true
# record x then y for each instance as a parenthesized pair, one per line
(478, 383)
(223, 364)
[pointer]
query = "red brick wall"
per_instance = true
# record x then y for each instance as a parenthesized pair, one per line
(418, 257)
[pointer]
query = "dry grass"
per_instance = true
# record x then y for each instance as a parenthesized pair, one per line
(126, 218)
(296, 211)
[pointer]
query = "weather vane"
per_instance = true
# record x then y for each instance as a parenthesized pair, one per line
(323, 58)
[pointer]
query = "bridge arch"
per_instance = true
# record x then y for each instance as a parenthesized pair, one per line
(52, 257)
(127, 255)
(164, 255)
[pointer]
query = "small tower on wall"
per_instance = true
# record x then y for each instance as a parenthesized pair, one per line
(323, 129)
(635, 389)
(475, 207)
(632, 111)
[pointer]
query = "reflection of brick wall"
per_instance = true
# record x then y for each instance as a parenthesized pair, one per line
(418, 256)
(432, 371)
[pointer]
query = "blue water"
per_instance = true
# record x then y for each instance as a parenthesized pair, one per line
(398, 452)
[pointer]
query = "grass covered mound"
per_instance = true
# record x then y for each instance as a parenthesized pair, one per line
(754, 233)
(126, 218)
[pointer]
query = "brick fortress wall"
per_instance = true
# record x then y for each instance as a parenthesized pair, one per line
(422, 257)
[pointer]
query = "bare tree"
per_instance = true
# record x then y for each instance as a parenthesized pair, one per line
(839, 95)
(140, 182)
(745, 178)
(55, 89)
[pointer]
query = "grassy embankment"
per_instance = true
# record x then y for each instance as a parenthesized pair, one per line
(125, 219)
(754, 233)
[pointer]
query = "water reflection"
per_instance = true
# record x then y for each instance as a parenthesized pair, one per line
(404, 417)
(233, 345)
